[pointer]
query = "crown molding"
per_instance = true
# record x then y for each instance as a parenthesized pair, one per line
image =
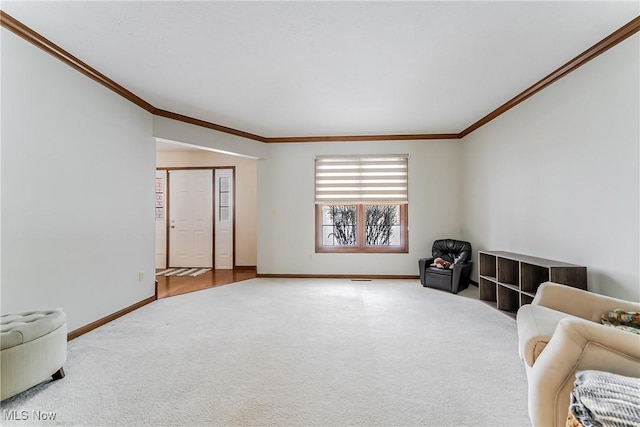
(51, 48)
(357, 138)
(602, 46)
(26, 33)
(208, 125)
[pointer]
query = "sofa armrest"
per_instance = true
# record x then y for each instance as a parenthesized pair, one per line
(579, 303)
(536, 324)
(576, 345)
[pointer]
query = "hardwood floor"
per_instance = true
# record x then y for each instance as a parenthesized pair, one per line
(171, 286)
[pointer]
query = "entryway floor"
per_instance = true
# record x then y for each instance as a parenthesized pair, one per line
(173, 285)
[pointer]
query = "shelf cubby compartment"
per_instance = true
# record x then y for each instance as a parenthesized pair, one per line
(508, 272)
(508, 299)
(488, 266)
(576, 276)
(487, 289)
(532, 276)
(525, 299)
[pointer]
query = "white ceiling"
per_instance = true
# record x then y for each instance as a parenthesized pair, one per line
(280, 69)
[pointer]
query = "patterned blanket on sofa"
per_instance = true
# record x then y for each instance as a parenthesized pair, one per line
(603, 399)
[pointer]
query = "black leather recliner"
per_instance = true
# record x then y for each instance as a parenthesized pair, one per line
(458, 253)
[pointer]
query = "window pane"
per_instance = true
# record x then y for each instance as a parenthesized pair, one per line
(224, 214)
(224, 199)
(382, 225)
(339, 225)
(224, 184)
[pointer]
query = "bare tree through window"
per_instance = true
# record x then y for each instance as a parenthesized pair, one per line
(381, 224)
(343, 221)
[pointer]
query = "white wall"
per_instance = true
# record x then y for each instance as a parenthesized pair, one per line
(78, 164)
(286, 210)
(186, 133)
(557, 176)
(246, 194)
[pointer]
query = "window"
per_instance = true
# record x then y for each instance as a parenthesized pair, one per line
(361, 203)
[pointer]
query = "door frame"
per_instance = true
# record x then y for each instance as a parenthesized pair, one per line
(213, 189)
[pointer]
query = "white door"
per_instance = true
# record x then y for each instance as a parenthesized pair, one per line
(191, 218)
(224, 219)
(161, 219)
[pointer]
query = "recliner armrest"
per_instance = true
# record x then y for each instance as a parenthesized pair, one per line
(463, 265)
(423, 264)
(461, 273)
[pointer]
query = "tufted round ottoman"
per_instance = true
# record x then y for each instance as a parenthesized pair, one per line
(33, 348)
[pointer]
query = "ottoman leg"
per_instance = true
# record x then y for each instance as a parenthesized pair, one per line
(58, 375)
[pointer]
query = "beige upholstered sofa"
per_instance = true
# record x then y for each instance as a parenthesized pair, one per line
(560, 333)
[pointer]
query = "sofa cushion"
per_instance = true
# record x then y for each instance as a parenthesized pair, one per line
(536, 325)
(20, 328)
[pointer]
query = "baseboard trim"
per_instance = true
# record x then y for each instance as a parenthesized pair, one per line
(245, 267)
(93, 325)
(474, 283)
(337, 276)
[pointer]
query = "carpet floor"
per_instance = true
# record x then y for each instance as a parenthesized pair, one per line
(293, 352)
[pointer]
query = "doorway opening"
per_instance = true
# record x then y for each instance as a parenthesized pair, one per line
(230, 184)
(195, 218)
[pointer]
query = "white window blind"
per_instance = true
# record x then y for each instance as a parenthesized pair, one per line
(373, 179)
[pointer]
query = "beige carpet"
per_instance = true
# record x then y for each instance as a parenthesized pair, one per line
(293, 352)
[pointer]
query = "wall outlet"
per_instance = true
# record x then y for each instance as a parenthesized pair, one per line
(140, 276)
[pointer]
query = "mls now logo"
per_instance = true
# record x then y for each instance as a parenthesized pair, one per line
(15, 415)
